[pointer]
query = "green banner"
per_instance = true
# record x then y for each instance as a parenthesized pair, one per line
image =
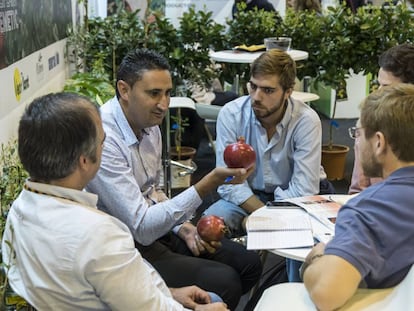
(27, 26)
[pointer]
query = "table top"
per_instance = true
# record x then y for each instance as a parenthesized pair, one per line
(240, 57)
(305, 96)
(320, 232)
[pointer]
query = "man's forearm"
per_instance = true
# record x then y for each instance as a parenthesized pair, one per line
(330, 281)
(251, 204)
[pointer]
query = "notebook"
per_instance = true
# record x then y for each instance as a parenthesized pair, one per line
(279, 228)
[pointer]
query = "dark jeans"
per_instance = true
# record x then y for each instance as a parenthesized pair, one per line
(230, 272)
(326, 187)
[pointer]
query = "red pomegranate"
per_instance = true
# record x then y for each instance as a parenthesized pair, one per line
(211, 228)
(239, 154)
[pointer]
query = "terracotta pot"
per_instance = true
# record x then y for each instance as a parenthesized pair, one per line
(333, 161)
(184, 154)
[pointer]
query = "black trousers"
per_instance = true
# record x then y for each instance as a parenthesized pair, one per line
(230, 272)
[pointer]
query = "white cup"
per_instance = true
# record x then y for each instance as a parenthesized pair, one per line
(281, 43)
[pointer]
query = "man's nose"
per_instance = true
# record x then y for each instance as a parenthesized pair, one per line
(164, 102)
(256, 94)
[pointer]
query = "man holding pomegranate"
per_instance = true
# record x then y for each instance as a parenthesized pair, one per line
(285, 134)
(68, 255)
(128, 184)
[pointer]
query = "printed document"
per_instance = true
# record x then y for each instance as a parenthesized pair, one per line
(279, 228)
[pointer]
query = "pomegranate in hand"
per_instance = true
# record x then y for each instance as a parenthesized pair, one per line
(211, 228)
(239, 155)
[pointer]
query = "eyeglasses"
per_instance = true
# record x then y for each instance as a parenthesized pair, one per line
(354, 132)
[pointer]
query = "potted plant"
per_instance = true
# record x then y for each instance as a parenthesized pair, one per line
(180, 176)
(341, 43)
(353, 43)
(94, 84)
(179, 123)
(12, 177)
(250, 27)
(107, 38)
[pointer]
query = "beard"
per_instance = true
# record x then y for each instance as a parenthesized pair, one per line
(262, 112)
(372, 168)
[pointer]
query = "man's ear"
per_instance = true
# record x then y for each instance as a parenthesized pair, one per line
(380, 143)
(83, 162)
(288, 93)
(123, 89)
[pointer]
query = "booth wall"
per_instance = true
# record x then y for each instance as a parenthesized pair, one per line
(32, 55)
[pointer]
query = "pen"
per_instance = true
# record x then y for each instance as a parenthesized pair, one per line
(229, 179)
(283, 207)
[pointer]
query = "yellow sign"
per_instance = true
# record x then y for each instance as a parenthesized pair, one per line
(18, 84)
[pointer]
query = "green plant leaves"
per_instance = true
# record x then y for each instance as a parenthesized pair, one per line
(12, 177)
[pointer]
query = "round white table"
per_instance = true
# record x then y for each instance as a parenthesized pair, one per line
(239, 57)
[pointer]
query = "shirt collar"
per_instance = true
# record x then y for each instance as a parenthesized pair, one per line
(403, 172)
(288, 114)
(82, 197)
(124, 127)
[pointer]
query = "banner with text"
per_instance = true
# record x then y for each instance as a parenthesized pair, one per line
(221, 9)
(32, 34)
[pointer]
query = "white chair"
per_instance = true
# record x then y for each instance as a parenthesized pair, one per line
(293, 296)
(175, 102)
(205, 111)
(208, 113)
(182, 102)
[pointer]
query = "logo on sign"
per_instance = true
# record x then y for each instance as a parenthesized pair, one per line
(53, 61)
(40, 67)
(20, 83)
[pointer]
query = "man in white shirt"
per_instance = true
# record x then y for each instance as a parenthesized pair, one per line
(128, 185)
(61, 253)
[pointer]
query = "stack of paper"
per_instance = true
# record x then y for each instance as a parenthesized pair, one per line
(279, 228)
(323, 208)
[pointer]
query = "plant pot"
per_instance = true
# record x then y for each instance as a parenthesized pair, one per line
(186, 156)
(333, 161)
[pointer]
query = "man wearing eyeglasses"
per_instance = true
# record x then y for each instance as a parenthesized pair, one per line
(374, 233)
(284, 132)
(396, 66)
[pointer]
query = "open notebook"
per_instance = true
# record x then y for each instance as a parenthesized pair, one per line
(281, 228)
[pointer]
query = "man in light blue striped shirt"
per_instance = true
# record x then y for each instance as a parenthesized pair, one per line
(285, 133)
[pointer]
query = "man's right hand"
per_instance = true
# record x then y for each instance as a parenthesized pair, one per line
(217, 306)
(195, 298)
